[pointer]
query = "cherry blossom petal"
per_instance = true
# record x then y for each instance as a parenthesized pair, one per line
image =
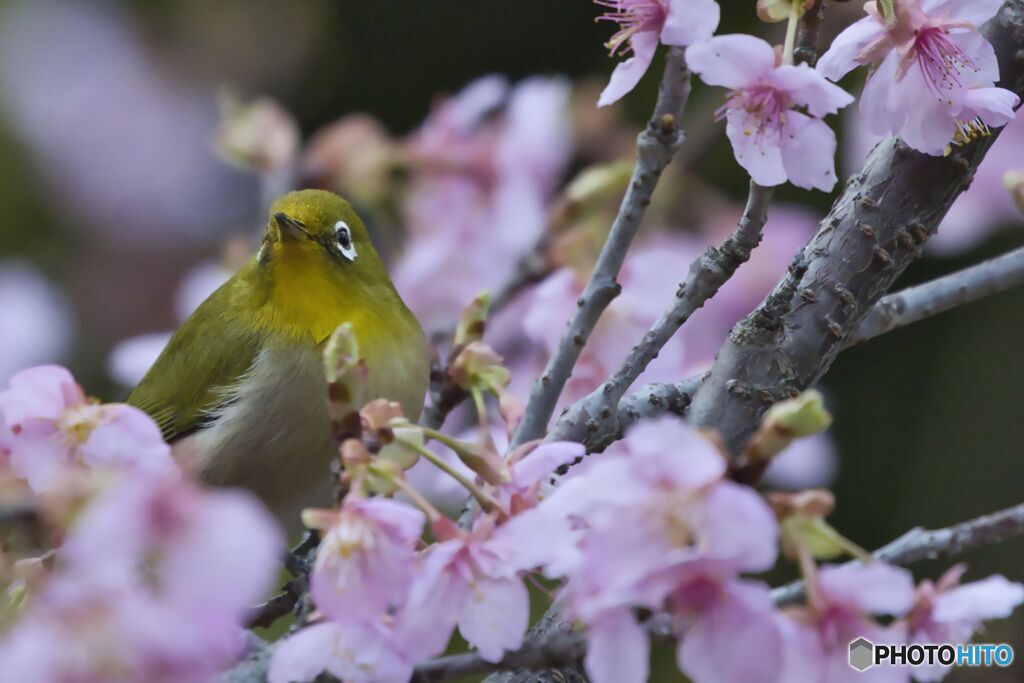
(879, 104)
(495, 616)
(617, 650)
(39, 459)
(128, 437)
(731, 61)
(875, 588)
(842, 55)
(737, 526)
(628, 73)
(759, 153)
(808, 152)
(42, 392)
(742, 620)
(992, 598)
(976, 12)
(929, 130)
(809, 88)
(677, 452)
(690, 21)
(236, 528)
(994, 106)
(543, 460)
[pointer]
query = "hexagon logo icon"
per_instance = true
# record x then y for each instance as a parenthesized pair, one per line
(862, 654)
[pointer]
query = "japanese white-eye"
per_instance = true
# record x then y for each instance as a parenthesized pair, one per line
(240, 390)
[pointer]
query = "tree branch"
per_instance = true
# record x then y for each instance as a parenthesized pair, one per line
(656, 146)
(891, 313)
(925, 300)
(594, 417)
(874, 230)
(924, 544)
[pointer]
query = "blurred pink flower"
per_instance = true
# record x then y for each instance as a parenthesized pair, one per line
(129, 361)
(97, 94)
(354, 653)
(951, 612)
(51, 427)
(771, 140)
(649, 280)
(934, 83)
(35, 319)
(260, 135)
(806, 463)
(818, 640)
(364, 566)
(645, 23)
(151, 585)
(485, 163)
(983, 208)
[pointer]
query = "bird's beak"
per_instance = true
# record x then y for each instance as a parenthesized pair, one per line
(290, 228)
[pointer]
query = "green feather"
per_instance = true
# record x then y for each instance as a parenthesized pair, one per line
(202, 363)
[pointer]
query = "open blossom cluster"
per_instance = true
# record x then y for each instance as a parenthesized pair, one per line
(387, 603)
(934, 76)
(652, 526)
(153, 576)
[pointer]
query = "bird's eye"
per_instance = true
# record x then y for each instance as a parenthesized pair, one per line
(345, 243)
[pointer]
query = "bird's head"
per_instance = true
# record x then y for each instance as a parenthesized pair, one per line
(315, 233)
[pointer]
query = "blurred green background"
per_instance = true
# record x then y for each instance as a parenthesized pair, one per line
(110, 189)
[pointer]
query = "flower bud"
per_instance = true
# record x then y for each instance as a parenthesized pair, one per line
(473, 320)
(788, 420)
(260, 135)
(478, 367)
(1014, 182)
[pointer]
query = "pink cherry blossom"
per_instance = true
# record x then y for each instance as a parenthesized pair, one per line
(53, 427)
(645, 23)
(983, 208)
(934, 80)
(354, 653)
(364, 566)
(484, 165)
(846, 598)
(465, 581)
(152, 584)
(771, 140)
(950, 612)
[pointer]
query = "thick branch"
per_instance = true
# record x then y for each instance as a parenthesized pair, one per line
(956, 289)
(873, 232)
(656, 146)
(924, 544)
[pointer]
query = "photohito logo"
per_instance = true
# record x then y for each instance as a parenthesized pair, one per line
(864, 654)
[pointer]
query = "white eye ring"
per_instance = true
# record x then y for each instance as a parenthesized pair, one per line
(345, 244)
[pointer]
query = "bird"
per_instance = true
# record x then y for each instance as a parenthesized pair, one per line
(240, 391)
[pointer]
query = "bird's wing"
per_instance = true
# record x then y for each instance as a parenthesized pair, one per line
(195, 374)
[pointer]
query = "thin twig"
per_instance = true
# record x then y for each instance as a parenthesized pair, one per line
(956, 289)
(656, 146)
(705, 276)
(924, 544)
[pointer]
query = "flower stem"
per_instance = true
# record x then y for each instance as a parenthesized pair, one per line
(487, 503)
(795, 12)
(432, 513)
